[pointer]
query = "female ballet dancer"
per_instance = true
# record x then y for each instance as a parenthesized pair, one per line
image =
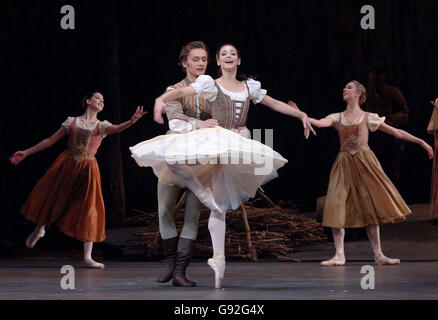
(219, 186)
(359, 192)
(69, 194)
(432, 128)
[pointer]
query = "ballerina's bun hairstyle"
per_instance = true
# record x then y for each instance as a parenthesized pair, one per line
(87, 97)
(363, 92)
(185, 51)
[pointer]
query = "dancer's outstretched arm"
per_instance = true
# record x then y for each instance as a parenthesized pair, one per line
(435, 104)
(322, 123)
(289, 110)
(160, 102)
(19, 156)
(116, 128)
(403, 135)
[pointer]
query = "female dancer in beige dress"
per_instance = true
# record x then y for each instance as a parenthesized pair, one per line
(359, 192)
(432, 128)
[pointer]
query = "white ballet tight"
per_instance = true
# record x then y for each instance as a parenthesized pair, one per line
(217, 228)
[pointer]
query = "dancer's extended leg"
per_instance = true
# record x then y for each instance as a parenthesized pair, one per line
(186, 176)
(89, 262)
(217, 228)
(373, 232)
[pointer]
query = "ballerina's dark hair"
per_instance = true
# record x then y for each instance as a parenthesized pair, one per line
(87, 96)
(241, 76)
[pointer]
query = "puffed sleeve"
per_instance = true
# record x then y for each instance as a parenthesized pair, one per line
(335, 117)
(205, 87)
(66, 124)
(103, 125)
(374, 121)
(256, 92)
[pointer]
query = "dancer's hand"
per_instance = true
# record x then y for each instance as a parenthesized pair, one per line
(307, 126)
(244, 132)
(159, 109)
(18, 156)
(435, 104)
(138, 114)
(428, 149)
(210, 123)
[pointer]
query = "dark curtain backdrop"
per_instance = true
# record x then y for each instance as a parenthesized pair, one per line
(301, 50)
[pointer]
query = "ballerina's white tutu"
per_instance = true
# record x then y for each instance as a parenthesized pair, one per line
(232, 166)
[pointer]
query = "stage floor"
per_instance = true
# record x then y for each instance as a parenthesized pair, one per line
(41, 279)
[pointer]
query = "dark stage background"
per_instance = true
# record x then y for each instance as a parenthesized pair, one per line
(301, 50)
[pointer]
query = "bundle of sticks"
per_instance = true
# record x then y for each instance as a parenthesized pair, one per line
(252, 233)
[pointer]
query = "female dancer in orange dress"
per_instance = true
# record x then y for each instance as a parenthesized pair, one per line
(69, 194)
(359, 192)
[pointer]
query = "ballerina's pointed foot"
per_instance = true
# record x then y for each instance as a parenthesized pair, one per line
(33, 238)
(217, 263)
(337, 260)
(382, 260)
(90, 263)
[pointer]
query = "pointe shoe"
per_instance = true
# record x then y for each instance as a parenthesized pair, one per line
(206, 197)
(90, 263)
(217, 263)
(33, 238)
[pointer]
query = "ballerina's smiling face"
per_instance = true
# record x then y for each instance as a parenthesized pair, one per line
(96, 101)
(228, 57)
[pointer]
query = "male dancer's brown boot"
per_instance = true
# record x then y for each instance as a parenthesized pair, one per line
(169, 247)
(185, 248)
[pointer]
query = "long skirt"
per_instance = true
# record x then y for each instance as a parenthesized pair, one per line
(360, 193)
(69, 195)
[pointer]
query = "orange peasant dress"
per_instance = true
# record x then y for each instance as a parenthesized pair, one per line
(359, 192)
(69, 194)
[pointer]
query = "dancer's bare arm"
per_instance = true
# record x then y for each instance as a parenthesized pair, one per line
(116, 128)
(289, 110)
(406, 136)
(19, 156)
(160, 102)
(322, 123)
